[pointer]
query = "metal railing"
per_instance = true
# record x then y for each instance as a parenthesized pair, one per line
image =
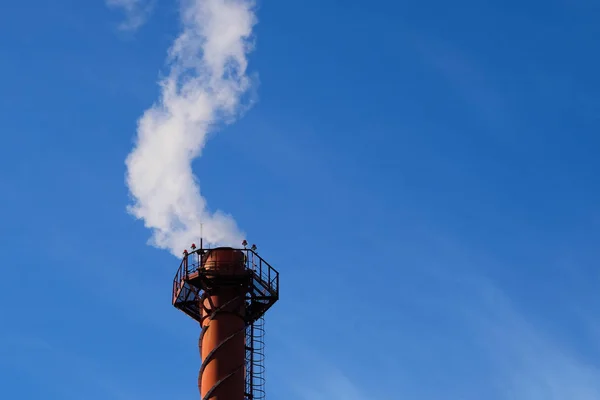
(194, 262)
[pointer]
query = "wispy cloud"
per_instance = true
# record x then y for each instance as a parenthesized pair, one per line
(531, 362)
(485, 346)
(301, 364)
(330, 384)
(136, 12)
(204, 87)
(526, 359)
(72, 377)
(472, 83)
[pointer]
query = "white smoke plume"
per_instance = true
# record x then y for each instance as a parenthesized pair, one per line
(205, 86)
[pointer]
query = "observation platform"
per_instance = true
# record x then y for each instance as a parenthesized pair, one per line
(200, 273)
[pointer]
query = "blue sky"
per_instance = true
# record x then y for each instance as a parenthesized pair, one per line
(423, 176)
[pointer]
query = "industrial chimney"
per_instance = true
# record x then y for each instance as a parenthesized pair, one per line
(228, 291)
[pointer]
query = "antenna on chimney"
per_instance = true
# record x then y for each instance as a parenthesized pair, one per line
(201, 247)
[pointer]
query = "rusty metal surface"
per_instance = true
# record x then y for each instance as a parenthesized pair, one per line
(222, 344)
